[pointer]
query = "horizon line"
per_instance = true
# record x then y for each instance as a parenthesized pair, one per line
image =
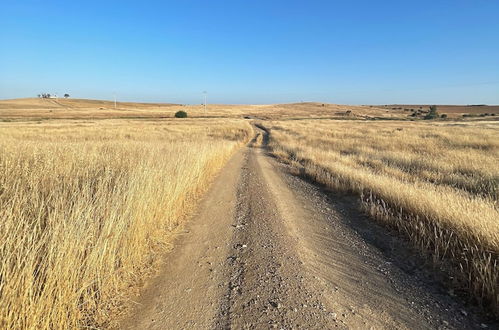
(301, 102)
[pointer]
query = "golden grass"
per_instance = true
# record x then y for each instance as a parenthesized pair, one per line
(438, 183)
(86, 206)
(43, 109)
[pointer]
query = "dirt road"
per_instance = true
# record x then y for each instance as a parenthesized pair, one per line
(269, 250)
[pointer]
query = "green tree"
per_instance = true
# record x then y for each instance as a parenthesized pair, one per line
(181, 114)
(433, 113)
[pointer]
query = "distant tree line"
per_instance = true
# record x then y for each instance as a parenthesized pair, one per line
(48, 95)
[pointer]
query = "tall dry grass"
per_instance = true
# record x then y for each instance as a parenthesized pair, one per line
(85, 208)
(437, 183)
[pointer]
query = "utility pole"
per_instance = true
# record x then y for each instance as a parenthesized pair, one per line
(115, 100)
(204, 93)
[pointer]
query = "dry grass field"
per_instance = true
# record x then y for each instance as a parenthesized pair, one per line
(91, 195)
(437, 183)
(39, 109)
(86, 207)
(452, 111)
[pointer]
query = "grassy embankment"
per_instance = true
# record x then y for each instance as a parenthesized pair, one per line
(86, 207)
(437, 183)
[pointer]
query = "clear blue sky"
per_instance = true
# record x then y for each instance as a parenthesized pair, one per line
(357, 52)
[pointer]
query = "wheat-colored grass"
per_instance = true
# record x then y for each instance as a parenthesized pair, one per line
(43, 109)
(438, 183)
(86, 206)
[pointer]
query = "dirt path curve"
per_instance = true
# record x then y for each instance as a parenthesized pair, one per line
(269, 250)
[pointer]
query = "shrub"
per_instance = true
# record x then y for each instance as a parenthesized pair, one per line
(432, 114)
(180, 114)
(443, 116)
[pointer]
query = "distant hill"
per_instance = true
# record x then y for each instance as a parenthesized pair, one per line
(42, 109)
(51, 103)
(452, 110)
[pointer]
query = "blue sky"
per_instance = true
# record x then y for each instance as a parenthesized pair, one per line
(356, 52)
